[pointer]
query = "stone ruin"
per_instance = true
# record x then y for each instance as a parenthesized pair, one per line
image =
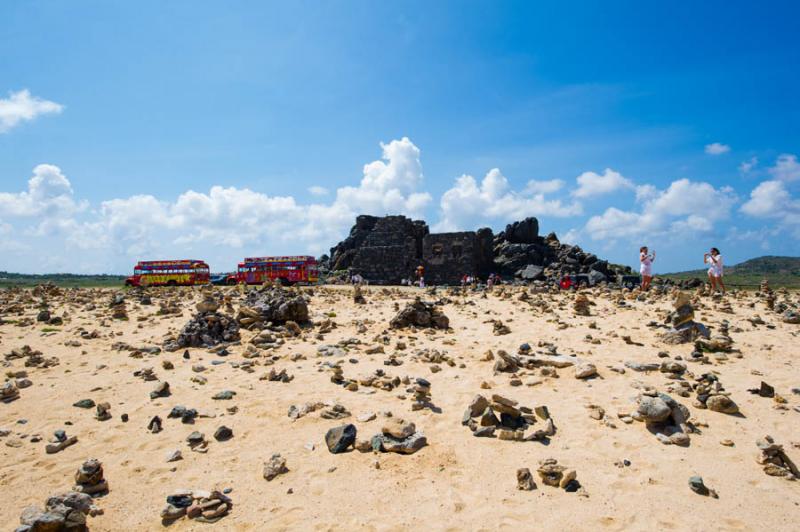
(385, 250)
(448, 256)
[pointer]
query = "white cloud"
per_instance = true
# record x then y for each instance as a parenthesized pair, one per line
(684, 207)
(786, 168)
(767, 200)
(389, 185)
(716, 148)
(593, 184)
(544, 187)
(21, 106)
(468, 204)
(317, 190)
(748, 165)
(49, 194)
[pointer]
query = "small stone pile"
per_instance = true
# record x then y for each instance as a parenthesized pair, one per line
(381, 380)
(273, 305)
(711, 395)
(515, 423)
(89, 478)
(398, 436)
(63, 512)
(499, 328)
(420, 314)
(664, 416)
(103, 411)
(581, 304)
(767, 293)
(119, 309)
(59, 442)
(555, 475)
(775, 461)
(719, 342)
(684, 328)
(358, 296)
(33, 358)
(422, 394)
(200, 505)
(206, 329)
(277, 376)
(9, 392)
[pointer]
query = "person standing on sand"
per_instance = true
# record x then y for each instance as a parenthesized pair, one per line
(714, 260)
(646, 266)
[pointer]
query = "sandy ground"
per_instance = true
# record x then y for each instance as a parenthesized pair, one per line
(458, 481)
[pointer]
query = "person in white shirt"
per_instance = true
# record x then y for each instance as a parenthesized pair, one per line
(714, 260)
(646, 266)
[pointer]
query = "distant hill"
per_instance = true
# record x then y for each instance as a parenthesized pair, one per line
(780, 271)
(60, 279)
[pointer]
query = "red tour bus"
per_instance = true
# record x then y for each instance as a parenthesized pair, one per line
(169, 273)
(285, 270)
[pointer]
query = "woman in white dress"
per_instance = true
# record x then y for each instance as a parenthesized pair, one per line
(646, 266)
(714, 260)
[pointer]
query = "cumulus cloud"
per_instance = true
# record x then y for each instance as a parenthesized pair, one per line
(593, 184)
(317, 190)
(468, 203)
(49, 194)
(716, 148)
(389, 185)
(786, 168)
(768, 199)
(21, 106)
(684, 207)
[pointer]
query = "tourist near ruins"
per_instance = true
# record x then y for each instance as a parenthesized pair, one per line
(237, 405)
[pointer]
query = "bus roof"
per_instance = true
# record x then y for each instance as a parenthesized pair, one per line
(288, 258)
(170, 262)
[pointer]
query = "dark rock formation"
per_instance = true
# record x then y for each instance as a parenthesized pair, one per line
(382, 250)
(388, 249)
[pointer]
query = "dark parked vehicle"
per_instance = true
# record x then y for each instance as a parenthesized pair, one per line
(219, 279)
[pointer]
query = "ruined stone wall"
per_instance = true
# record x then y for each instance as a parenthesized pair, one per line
(382, 250)
(448, 256)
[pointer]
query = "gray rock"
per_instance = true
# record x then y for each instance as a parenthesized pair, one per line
(653, 409)
(339, 439)
(276, 466)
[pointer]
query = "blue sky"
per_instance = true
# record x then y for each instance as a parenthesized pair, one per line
(176, 129)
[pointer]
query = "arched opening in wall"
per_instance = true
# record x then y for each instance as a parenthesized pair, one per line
(437, 250)
(456, 251)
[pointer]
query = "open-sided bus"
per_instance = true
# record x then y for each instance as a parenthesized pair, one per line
(169, 273)
(288, 270)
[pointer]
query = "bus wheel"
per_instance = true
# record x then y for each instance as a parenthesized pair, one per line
(172, 283)
(283, 281)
